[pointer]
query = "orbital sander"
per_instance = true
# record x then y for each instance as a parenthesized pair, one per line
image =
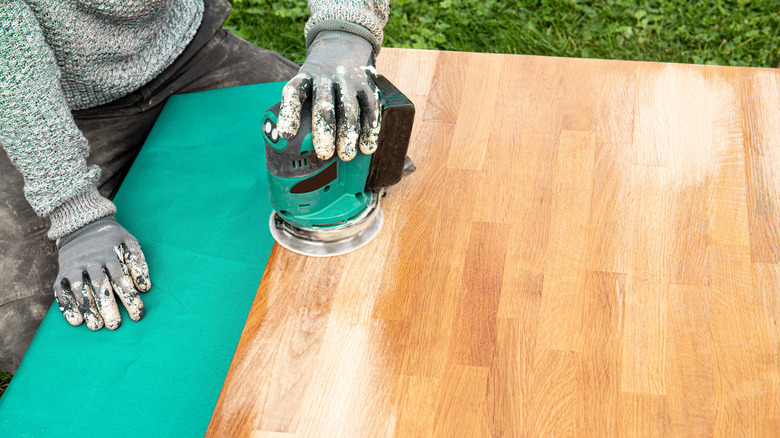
(330, 207)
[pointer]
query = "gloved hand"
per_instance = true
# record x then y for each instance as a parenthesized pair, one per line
(96, 261)
(339, 71)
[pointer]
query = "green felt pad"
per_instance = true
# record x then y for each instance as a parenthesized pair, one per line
(197, 200)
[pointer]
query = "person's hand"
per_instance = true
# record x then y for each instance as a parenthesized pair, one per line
(97, 261)
(339, 72)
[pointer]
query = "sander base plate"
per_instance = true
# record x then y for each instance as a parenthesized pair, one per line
(331, 241)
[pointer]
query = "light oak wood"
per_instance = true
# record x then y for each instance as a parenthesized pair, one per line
(588, 248)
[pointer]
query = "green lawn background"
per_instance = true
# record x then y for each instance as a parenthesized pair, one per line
(740, 33)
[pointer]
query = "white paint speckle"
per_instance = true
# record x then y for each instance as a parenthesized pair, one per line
(370, 69)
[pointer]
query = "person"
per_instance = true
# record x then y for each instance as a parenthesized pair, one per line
(81, 85)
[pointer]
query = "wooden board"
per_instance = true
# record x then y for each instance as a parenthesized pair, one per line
(588, 248)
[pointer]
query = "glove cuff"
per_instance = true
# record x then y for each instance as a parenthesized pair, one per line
(78, 211)
(343, 26)
(86, 229)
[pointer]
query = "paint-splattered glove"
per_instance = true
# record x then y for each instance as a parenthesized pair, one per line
(339, 72)
(97, 261)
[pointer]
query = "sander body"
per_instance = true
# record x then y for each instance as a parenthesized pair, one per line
(331, 207)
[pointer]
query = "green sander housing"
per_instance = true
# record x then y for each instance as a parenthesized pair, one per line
(330, 207)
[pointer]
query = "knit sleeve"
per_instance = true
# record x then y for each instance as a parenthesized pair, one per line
(366, 18)
(37, 129)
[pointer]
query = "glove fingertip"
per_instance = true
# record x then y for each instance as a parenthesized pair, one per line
(368, 147)
(289, 135)
(114, 323)
(143, 286)
(369, 138)
(94, 322)
(74, 318)
(138, 269)
(347, 150)
(370, 121)
(140, 278)
(324, 142)
(294, 93)
(324, 153)
(138, 313)
(288, 124)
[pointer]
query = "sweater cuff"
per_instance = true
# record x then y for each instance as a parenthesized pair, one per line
(344, 26)
(78, 211)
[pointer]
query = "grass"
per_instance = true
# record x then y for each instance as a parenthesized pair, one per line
(5, 379)
(736, 32)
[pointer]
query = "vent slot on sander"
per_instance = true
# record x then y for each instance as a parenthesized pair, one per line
(387, 163)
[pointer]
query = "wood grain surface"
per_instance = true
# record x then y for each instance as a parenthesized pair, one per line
(588, 248)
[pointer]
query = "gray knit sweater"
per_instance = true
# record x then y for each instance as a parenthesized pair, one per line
(62, 55)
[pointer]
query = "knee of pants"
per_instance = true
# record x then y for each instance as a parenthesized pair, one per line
(28, 268)
(28, 259)
(19, 320)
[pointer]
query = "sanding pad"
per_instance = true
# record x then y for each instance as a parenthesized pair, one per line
(330, 241)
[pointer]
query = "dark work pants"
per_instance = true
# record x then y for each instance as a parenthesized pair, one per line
(116, 131)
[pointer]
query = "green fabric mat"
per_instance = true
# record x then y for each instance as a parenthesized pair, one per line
(196, 198)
